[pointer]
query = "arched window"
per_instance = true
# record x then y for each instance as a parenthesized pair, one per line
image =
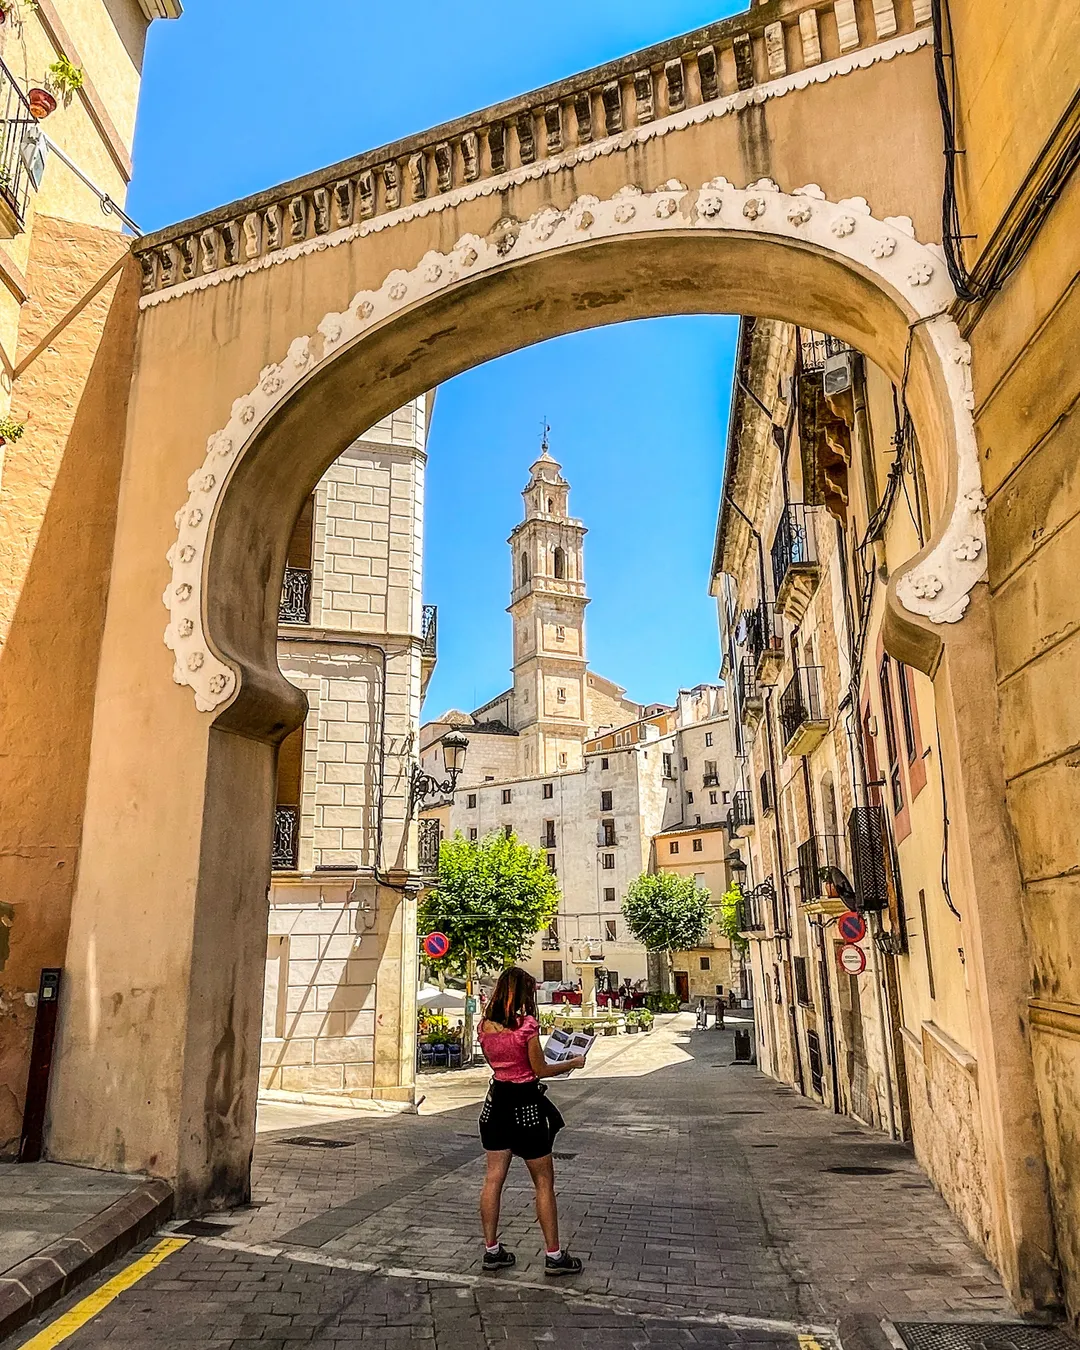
(524, 569)
(560, 565)
(551, 506)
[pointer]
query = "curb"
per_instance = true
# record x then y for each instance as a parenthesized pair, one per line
(35, 1284)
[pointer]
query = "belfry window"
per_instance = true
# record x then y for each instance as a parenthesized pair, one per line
(524, 569)
(560, 564)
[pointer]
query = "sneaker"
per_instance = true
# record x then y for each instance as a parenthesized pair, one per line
(500, 1260)
(564, 1265)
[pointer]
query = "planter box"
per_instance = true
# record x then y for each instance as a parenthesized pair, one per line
(632, 1029)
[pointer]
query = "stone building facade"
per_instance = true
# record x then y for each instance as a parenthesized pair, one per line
(355, 637)
(615, 773)
(839, 758)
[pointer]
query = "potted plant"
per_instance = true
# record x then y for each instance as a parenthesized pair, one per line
(10, 430)
(646, 1019)
(547, 1021)
(61, 81)
(633, 1024)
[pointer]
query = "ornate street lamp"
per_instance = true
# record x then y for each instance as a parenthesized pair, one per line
(454, 748)
(736, 867)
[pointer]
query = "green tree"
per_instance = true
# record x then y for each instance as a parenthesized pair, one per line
(729, 918)
(493, 896)
(667, 912)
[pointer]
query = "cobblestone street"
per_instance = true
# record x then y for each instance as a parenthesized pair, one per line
(711, 1206)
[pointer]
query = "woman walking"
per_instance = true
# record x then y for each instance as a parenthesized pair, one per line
(518, 1118)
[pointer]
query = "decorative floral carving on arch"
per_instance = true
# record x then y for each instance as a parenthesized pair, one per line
(937, 584)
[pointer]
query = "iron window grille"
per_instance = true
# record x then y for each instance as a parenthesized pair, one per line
(867, 838)
(816, 348)
(286, 846)
(802, 982)
(295, 605)
(429, 839)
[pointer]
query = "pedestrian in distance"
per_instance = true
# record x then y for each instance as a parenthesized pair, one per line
(519, 1119)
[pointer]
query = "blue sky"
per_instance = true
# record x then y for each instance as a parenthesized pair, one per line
(241, 94)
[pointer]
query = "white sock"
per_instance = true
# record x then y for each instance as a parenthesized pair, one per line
(554, 1256)
(492, 1250)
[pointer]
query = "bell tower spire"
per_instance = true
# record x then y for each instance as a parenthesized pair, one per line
(547, 604)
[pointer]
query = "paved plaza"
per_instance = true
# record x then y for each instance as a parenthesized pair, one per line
(711, 1206)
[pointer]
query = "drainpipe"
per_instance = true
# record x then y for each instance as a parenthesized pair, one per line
(823, 962)
(785, 898)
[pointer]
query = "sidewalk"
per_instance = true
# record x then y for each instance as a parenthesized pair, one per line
(59, 1225)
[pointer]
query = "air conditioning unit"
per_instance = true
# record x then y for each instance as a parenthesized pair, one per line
(839, 373)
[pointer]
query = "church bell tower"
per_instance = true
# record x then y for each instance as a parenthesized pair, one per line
(547, 604)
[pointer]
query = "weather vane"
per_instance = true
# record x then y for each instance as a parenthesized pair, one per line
(546, 434)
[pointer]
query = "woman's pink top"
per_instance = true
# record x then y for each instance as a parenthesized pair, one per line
(508, 1051)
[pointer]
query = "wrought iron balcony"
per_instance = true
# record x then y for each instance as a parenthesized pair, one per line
(761, 632)
(429, 632)
(815, 854)
(802, 715)
(550, 944)
(285, 852)
(753, 908)
(816, 348)
(795, 560)
(867, 845)
(751, 698)
(429, 839)
(21, 136)
(295, 606)
(547, 839)
(741, 814)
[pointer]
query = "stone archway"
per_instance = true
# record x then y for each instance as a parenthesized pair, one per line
(251, 377)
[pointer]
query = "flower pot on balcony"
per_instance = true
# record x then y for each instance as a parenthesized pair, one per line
(42, 103)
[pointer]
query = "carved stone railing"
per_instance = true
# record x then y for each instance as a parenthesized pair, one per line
(772, 41)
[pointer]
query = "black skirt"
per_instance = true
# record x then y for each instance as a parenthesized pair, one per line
(519, 1117)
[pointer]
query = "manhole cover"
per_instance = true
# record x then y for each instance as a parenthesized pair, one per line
(981, 1336)
(861, 1172)
(309, 1141)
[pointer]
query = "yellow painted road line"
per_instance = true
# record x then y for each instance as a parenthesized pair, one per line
(809, 1343)
(83, 1312)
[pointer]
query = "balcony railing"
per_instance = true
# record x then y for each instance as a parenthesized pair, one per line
(761, 632)
(741, 814)
(549, 943)
(817, 852)
(428, 854)
(816, 348)
(284, 853)
(802, 715)
(794, 547)
(20, 131)
(547, 839)
(752, 912)
(295, 606)
(429, 632)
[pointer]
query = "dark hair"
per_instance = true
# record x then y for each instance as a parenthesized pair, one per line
(513, 999)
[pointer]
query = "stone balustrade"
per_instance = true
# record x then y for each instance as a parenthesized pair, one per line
(775, 39)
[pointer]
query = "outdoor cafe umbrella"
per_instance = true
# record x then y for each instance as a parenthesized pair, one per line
(434, 999)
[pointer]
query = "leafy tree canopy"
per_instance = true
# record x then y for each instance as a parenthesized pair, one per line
(729, 917)
(667, 912)
(494, 895)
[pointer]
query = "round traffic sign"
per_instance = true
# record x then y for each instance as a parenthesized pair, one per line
(851, 926)
(436, 945)
(852, 958)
